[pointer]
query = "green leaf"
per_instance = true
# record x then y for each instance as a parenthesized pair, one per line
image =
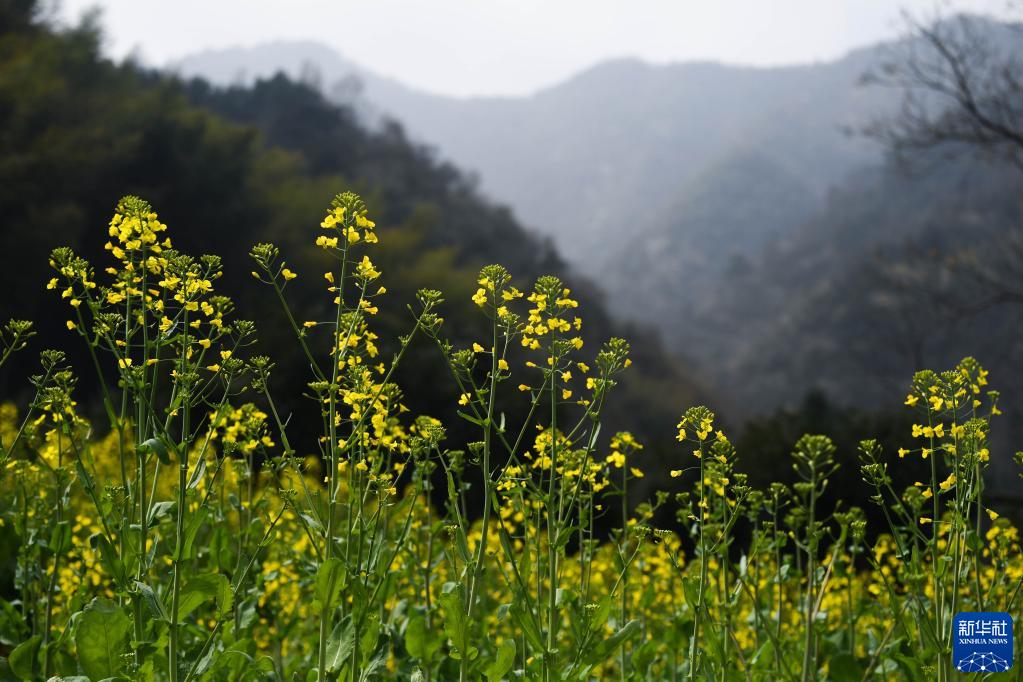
(195, 523)
(844, 667)
(503, 661)
(152, 601)
(604, 649)
(765, 652)
(340, 645)
(529, 628)
(160, 511)
(469, 418)
(691, 591)
(25, 658)
(111, 413)
(378, 663)
(420, 642)
(415, 637)
(452, 603)
(60, 537)
(12, 625)
(565, 535)
(330, 582)
(102, 639)
(644, 655)
(202, 587)
(157, 447)
(601, 613)
(313, 523)
(197, 474)
(111, 561)
(370, 637)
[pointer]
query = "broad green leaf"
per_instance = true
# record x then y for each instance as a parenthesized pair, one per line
(765, 652)
(691, 591)
(529, 628)
(602, 650)
(110, 559)
(644, 655)
(313, 523)
(340, 645)
(330, 582)
(201, 588)
(12, 625)
(565, 535)
(454, 617)
(102, 639)
(197, 474)
(157, 447)
(503, 661)
(152, 601)
(415, 637)
(24, 660)
(844, 667)
(60, 537)
(601, 613)
(160, 511)
(370, 636)
(420, 642)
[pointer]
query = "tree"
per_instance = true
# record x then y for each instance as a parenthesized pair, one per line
(961, 79)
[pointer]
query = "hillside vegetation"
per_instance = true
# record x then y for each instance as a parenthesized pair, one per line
(238, 166)
(736, 210)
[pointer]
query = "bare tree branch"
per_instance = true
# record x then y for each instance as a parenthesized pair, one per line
(961, 83)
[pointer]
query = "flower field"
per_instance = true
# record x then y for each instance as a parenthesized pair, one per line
(185, 537)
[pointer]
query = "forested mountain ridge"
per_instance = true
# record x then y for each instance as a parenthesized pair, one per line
(226, 169)
(576, 159)
(738, 210)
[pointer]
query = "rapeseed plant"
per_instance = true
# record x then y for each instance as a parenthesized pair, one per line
(189, 537)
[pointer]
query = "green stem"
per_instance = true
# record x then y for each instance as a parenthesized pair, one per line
(698, 616)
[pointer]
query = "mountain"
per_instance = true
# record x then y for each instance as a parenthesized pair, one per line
(227, 168)
(371, 96)
(900, 271)
(706, 200)
(605, 155)
(730, 209)
(653, 180)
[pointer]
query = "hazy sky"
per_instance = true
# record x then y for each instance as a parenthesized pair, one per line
(474, 47)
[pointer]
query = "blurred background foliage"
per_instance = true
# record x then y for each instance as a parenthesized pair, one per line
(227, 168)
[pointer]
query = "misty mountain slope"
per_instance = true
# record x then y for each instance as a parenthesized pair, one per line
(860, 290)
(656, 181)
(682, 269)
(728, 207)
(860, 297)
(607, 151)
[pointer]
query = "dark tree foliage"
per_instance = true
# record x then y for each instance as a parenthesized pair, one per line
(772, 438)
(229, 168)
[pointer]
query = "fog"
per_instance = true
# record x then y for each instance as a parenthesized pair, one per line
(507, 47)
